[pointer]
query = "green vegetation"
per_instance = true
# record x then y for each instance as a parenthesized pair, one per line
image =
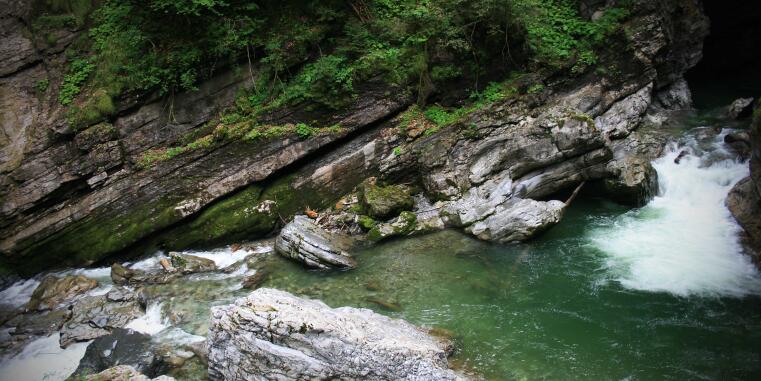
(42, 85)
(78, 72)
(245, 131)
(317, 53)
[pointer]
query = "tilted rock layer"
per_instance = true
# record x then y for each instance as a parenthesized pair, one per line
(273, 335)
(72, 197)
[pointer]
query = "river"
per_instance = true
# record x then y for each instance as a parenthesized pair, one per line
(611, 293)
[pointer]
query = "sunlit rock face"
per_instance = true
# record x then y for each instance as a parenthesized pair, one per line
(274, 335)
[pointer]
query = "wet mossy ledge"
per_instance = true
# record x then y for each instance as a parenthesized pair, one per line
(253, 212)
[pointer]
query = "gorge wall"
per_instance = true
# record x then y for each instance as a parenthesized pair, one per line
(78, 196)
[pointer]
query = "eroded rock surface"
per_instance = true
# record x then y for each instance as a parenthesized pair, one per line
(305, 241)
(744, 200)
(97, 316)
(123, 373)
(740, 108)
(273, 335)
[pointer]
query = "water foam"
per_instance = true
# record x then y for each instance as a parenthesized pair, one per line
(43, 359)
(19, 293)
(151, 323)
(685, 241)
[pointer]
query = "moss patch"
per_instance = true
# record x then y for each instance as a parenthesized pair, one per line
(383, 202)
(95, 237)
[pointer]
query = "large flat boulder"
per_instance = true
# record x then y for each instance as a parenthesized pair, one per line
(273, 335)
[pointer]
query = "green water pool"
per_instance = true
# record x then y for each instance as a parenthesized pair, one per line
(546, 309)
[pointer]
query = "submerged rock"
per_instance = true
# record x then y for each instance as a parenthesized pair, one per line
(305, 241)
(123, 373)
(120, 347)
(740, 108)
(252, 282)
(52, 291)
(273, 335)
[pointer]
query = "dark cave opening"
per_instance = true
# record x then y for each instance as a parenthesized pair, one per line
(731, 63)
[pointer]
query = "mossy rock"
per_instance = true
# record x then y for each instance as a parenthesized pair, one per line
(366, 222)
(384, 202)
(402, 225)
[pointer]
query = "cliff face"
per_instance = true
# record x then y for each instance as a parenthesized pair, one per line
(744, 201)
(75, 197)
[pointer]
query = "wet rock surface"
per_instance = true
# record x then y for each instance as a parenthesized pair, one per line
(274, 335)
(126, 276)
(120, 347)
(744, 200)
(97, 316)
(123, 373)
(188, 264)
(52, 291)
(740, 108)
(636, 183)
(305, 241)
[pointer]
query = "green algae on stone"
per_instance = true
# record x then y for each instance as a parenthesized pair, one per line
(402, 225)
(366, 222)
(95, 237)
(383, 202)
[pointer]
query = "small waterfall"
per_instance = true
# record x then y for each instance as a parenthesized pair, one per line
(685, 241)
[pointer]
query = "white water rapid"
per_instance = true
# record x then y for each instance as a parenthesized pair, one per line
(685, 241)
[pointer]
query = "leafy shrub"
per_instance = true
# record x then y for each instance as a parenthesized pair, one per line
(304, 131)
(78, 72)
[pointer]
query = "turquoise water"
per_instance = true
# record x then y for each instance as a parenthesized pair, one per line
(547, 309)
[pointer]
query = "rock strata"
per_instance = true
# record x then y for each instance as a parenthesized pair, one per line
(273, 335)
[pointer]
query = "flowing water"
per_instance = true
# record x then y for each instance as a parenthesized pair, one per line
(659, 292)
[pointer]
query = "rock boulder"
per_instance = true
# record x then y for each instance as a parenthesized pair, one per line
(305, 241)
(124, 373)
(740, 108)
(121, 347)
(52, 291)
(273, 335)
